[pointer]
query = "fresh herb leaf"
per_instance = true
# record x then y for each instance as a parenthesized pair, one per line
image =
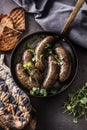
(77, 103)
(75, 120)
(38, 91)
(31, 92)
(34, 91)
(47, 46)
(57, 60)
(41, 56)
(31, 50)
(50, 51)
(36, 64)
(84, 100)
(43, 92)
(29, 64)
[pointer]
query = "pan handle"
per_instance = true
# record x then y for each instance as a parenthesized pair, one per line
(72, 16)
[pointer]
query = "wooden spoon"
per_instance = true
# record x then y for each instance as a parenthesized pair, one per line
(72, 16)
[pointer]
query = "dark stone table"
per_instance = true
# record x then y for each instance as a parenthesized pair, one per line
(50, 111)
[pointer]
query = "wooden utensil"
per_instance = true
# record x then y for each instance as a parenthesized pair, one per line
(72, 16)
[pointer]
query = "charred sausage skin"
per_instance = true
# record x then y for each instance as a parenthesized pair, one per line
(52, 73)
(65, 67)
(23, 77)
(40, 48)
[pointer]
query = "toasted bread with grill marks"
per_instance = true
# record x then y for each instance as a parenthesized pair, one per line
(9, 39)
(18, 17)
(5, 20)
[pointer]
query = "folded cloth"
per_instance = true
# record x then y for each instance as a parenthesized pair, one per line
(52, 15)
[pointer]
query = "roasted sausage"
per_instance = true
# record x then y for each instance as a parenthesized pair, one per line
(26, 58)
(65, 67)
(52, 73)
(23, 77)
(40, 48)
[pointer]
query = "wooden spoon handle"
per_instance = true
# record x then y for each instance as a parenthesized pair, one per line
(72, 15)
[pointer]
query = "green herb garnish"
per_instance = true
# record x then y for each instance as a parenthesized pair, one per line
(57, 60)
(34, 91)
(47, 46)
(38, 91)
(29, 64)
(41, 56)
(42, 91)
(31, 50)
(77, 103)
(32, 72)
(36, 64)
(31, 92)
(50, 51)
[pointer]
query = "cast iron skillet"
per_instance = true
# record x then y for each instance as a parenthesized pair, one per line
(31, 41)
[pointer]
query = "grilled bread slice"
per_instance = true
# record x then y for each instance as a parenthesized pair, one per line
(5, 20)
(18, 17)
(9, 39)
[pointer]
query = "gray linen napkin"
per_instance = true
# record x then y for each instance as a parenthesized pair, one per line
(52, 15)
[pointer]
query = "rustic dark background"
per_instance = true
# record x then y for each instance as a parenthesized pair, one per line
(50, 114)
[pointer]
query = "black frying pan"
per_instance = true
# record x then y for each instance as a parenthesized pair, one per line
(33, 39)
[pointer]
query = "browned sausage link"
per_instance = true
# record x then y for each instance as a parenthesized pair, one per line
(52, 73)
(27, 56)
(23, 78)
(40, 50)
(65, 67)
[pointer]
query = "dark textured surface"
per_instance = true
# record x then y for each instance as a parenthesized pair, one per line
(50, 110)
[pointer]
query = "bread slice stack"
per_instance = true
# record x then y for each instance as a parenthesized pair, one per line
(11, 28)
